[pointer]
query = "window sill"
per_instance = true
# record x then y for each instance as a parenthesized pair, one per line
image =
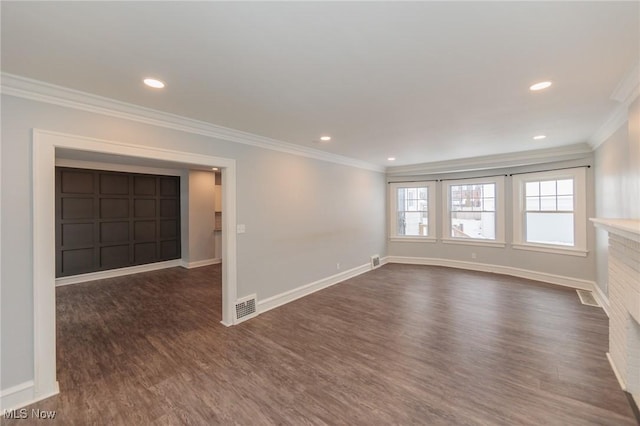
(569, 251)
(412, 239)
(474, 242)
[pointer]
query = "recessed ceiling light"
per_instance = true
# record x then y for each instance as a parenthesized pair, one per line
(215, 169)
(152, 82)
(391, 158)
(325, 138)
(538, 137)
(540, 86)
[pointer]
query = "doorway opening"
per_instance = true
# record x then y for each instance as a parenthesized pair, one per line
(45, 144)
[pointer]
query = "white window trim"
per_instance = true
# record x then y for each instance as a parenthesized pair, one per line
(431, 212)
(412, 239)
(474, 242)
(500, 216)
(578, 175)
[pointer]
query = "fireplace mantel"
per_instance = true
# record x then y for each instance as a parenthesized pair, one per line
(627, 228)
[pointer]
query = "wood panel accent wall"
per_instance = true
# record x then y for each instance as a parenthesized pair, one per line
(107, 220)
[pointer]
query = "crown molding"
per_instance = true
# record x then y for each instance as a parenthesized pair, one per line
(617, 119)
(627, 90)
(22, 87)
(629, 87)
(488, 162)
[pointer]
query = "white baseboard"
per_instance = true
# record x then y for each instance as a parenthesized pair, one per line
(498, 269)
(602, 299)
(76, 279)
(22, 395)
(199, 263)
(616, 372)
(636, 397)
(291, 295)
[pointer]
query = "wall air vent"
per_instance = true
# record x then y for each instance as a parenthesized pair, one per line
(246, 308)
(375, 261)
(586, 298)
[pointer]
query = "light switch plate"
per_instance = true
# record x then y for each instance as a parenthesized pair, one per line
(241, 229)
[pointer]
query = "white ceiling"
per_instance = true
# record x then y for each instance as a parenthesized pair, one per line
(421, 81)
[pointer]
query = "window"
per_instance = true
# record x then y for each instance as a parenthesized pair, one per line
(412, 211)
(473, 211)
(549, 211)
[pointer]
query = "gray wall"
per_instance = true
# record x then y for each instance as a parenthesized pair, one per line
(617, 182)
(568, 266)
(201, 215)
(302, 215)
(217, 235)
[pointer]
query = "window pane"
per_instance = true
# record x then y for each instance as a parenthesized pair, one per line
(533, 203)
(412, 199)
(473, 225)
(412, 224)
(472, 211)
(565, 202)
(489, 190)
(547, 203)
(532, 188)
(565, 187)
(550, 228)
(490, 204)
(548, 187)
(412, 211)
(402, 205)
(455, 196)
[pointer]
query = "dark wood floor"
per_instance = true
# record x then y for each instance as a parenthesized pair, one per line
(399, 345)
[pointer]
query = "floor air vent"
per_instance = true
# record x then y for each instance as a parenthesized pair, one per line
(375, 261)
(586, 297)
(246, 308)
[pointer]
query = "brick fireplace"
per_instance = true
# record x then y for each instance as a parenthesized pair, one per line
(624, 301)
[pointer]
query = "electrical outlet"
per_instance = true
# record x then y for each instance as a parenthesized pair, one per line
(338, 265)
(241, 229)
(473, 255)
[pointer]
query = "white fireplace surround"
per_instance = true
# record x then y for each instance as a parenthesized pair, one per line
(624, 301)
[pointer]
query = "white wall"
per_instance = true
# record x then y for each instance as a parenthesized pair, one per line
(202, 186)
(302, 215)
(217, 236)
(617, 182)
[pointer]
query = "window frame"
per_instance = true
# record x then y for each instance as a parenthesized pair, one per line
(431, 211)
(499, 240)
(578, 174)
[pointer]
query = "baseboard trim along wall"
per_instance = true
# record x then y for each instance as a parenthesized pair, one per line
(635, 398)
(76, 279)
(21, 395)
(291, 295)
(602, 299)
(498, 269)
(616, 372)
(199, 263)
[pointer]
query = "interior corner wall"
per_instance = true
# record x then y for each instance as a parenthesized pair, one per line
(617, 182)
(302, 215)
(201, 216)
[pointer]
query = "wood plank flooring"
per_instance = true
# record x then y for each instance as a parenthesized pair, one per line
(402, 345)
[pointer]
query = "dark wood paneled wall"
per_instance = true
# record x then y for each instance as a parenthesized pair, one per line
(107, 220)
